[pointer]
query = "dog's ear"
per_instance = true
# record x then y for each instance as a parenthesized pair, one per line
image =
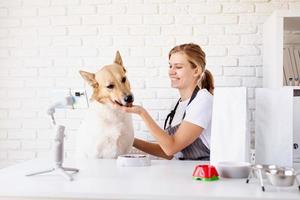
(89, 78)
(118, 59)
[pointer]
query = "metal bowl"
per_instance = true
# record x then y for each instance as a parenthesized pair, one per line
(264, 167)
(281, 176)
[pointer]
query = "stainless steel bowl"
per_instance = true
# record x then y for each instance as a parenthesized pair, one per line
(264, 167)
(281, 176)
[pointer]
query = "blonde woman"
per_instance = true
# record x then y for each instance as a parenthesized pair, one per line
(186, 135)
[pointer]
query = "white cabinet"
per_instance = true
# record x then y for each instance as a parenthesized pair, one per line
(277, 126)
(277, 114)
(281, 44)
(296, 126)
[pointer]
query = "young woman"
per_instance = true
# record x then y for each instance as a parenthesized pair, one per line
(186, 134)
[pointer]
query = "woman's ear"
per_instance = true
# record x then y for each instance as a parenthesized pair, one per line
(197, 72)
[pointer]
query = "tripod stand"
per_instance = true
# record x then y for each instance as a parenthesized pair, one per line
(59, 145)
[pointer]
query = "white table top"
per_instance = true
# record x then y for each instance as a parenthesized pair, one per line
(103, 179)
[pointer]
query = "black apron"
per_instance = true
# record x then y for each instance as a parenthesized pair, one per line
(195, 151)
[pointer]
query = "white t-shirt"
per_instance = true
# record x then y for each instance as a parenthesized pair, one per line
(198, 112)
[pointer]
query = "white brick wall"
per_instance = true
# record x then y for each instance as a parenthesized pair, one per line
(43, 44)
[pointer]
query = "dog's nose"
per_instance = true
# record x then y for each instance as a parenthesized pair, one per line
(128, 98)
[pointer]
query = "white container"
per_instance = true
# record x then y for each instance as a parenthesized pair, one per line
(133, 160)
(230, 136)
(233, 169)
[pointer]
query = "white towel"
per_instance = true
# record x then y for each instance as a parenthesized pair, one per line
(230, 138)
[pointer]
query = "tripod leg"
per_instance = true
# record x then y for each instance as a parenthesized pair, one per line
(71, 169)
(249, 176)
(41, 172)
(261, 180)
(65, 174)
(298, 182)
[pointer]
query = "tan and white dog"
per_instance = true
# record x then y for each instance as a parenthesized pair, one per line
(106, 132)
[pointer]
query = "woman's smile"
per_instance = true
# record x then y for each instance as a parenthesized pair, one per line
(174, 78)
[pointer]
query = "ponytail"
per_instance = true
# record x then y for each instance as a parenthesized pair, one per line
(206, 81)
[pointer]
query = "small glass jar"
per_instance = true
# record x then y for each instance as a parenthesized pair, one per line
(297, 81)
(290, 83)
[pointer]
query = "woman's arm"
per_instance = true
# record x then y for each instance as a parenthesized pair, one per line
(185, 135)
(170, 144)
(150, 148)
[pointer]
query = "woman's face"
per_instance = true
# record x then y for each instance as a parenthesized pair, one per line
(181, 73)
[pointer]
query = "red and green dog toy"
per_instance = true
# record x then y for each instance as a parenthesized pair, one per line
(205, 173)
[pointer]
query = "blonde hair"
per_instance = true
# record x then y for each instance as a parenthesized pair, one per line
(196, 58)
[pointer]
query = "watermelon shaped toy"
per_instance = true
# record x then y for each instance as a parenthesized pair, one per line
(205, 173)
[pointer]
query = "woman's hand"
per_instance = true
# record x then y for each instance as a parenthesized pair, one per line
(132, 109)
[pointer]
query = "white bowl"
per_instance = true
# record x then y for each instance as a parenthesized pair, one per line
(133, 160)
(233, 169)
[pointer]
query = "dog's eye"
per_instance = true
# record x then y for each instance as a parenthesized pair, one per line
(110, 86)
(123, 79)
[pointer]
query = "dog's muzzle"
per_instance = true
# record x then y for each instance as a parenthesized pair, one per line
(126, 101)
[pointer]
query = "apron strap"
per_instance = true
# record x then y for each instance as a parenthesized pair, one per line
(172, 113)
(192, 98)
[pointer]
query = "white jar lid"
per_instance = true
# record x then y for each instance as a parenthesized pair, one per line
(133, 160)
